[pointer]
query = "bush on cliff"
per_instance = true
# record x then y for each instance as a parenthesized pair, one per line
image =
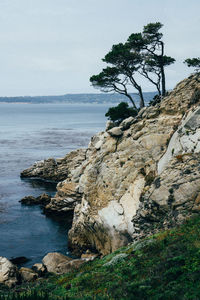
(163, 267)
(120, 112)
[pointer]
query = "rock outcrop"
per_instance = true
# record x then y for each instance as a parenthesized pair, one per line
(8, 272)
(142, 176)
(59, 264)
(135, 178)
(55, 169)
(66, 168)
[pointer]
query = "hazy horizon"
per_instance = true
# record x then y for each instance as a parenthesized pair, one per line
(52, 48)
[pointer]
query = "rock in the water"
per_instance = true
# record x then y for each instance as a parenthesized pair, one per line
(55, 169)
(27, 274)
(8, 272)
(43, 199)
(29, 200)
(19, 260)
(52, 261)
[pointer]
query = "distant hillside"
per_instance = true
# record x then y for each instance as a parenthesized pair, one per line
(76, 98)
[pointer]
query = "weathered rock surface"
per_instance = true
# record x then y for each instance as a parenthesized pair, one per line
(43, 199)
(66, 267)
(55, 169)
(52, 261)
(119, 199)
(8, 272)
(39, 269)
(59, 264)
(27, 274)
(67, 195)
(135, 178)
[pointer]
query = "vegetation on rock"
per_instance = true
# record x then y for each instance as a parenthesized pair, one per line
(163, 266)
(193, 62)
(120, 112)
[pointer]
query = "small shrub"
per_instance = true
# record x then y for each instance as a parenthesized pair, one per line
(120, 112)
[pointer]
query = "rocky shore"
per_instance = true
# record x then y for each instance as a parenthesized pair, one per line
(56, 263)
(133, 180)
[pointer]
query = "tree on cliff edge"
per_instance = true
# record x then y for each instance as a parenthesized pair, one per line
(152, 50)
(143, 54)
(193, 62)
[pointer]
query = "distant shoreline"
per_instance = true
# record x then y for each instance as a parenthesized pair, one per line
(76, 99)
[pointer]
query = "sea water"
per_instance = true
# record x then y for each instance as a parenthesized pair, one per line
(28, 133)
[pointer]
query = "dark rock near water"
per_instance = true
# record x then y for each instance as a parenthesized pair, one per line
(19, 260)
(43, 199)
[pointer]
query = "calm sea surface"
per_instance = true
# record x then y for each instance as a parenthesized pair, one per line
(31, 132)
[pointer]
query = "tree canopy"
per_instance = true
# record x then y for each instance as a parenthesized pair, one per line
(193, 62)
(143, 54)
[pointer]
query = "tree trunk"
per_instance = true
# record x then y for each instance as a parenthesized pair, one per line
(132, 101)
(141, 97)
(163, 81)
(162, 70)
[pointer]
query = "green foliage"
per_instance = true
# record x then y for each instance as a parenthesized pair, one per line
(143, 53)
(193, 62)
(165, 266)
(120, 112)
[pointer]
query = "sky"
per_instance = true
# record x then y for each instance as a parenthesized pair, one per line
(50, 47)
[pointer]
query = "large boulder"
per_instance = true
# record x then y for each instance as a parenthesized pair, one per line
(27, 274)
(53, 260)
(8, 272)
(70, 266)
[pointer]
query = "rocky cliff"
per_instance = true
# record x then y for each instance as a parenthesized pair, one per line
(136, 178)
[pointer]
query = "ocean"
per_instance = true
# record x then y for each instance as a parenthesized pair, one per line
(28, 133)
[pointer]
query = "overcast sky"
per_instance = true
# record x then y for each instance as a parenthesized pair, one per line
(54, 46)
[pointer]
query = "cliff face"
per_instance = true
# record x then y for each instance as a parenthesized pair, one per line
(136, 178)
(142, 176)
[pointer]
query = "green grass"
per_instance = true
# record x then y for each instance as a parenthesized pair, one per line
(164, 266)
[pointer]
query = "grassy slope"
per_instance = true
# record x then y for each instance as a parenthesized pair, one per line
(165, 266)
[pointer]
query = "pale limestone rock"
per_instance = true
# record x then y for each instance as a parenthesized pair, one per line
(185, 140)
(66, 267)
(116, 177)
(8, 272)
(27, 274)
(125, 124)
(52, 260)
(130, 201)
(98, 144)
(115, 132)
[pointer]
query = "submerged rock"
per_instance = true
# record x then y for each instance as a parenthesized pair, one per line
(19, 260)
